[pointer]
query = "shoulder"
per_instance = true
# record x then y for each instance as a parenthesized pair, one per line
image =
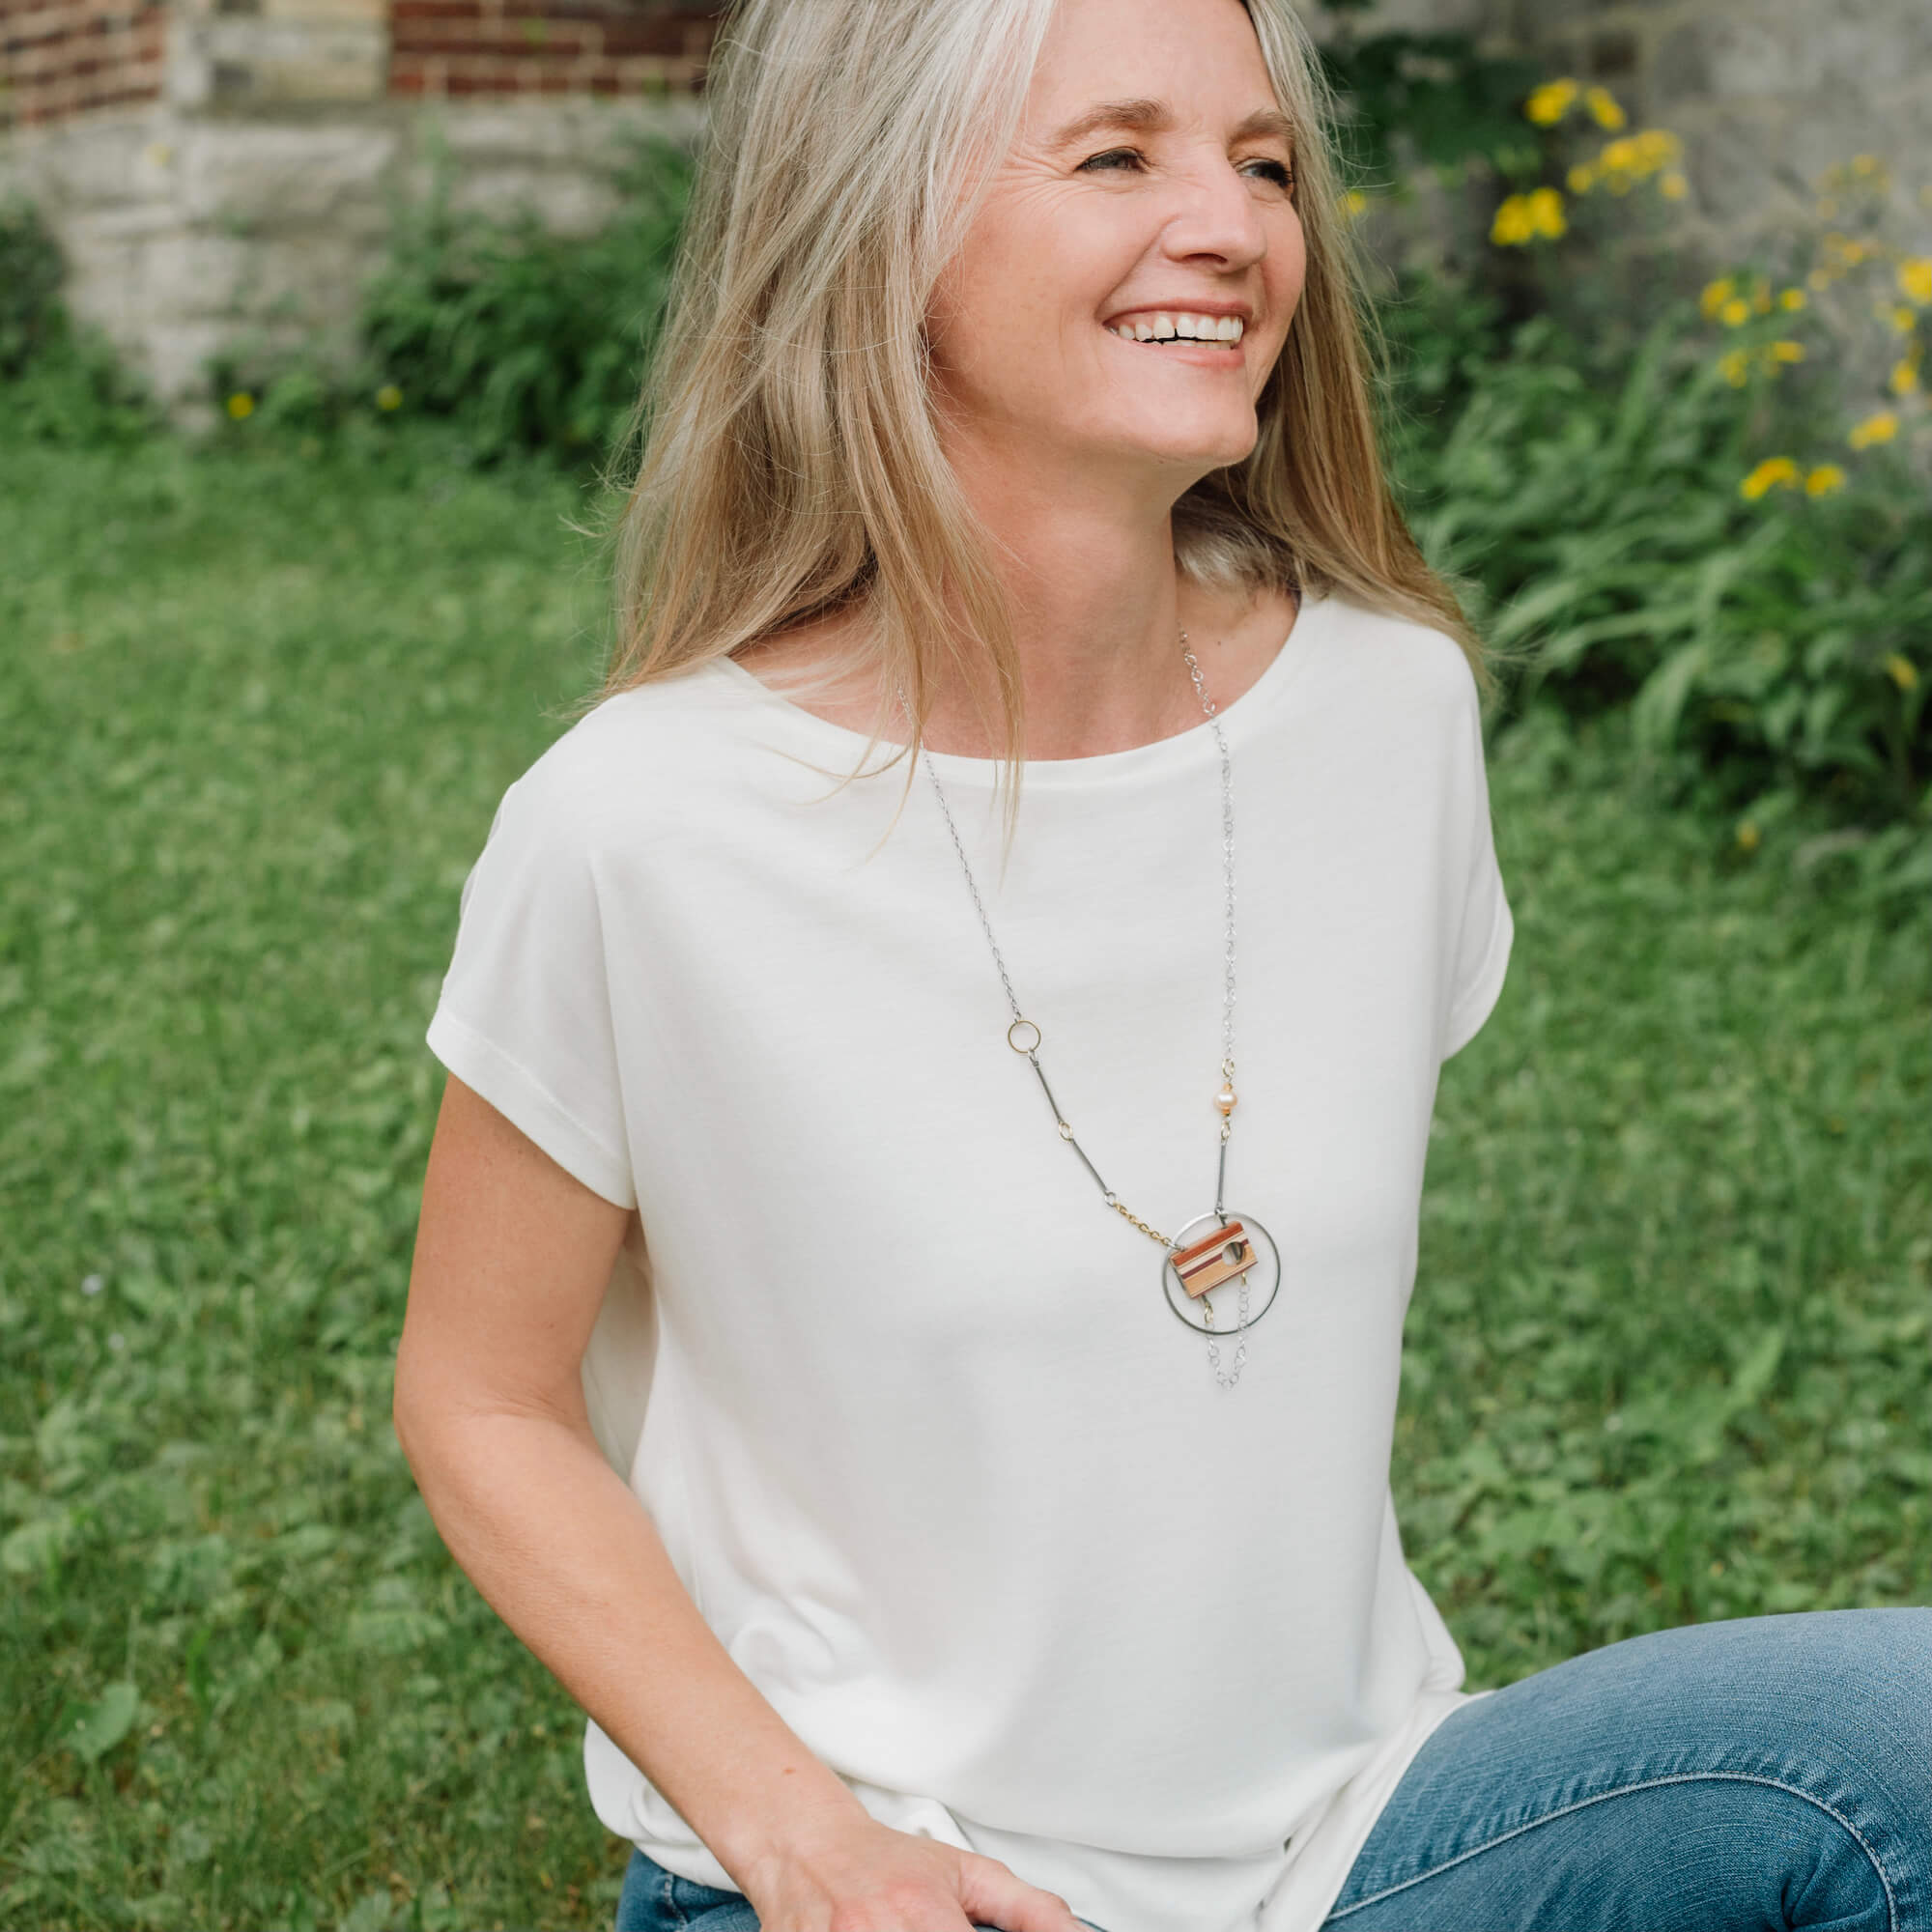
(636, 760)
(1390, 666)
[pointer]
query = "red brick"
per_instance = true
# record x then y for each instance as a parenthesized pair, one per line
(628, 35)
(451, 47)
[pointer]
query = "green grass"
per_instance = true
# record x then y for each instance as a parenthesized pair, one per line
(1668, 1359)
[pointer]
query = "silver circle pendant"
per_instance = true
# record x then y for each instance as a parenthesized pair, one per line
(1197, 1258)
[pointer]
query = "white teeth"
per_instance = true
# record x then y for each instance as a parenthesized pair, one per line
(1166, 327)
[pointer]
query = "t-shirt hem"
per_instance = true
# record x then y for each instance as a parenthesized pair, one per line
(530, 1107)
(1308, 1896)
(1475, 1007)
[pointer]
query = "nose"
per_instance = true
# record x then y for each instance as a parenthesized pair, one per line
(1215, 219)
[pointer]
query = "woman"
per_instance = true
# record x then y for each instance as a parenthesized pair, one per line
(1006, 1539)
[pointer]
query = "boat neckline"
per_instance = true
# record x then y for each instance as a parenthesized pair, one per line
(1239, 716)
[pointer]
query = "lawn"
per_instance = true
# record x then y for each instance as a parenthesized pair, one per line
(1671, 1357)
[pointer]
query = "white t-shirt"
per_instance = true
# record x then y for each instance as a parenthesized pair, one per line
(924, 1438)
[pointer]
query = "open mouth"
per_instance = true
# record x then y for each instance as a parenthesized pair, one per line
(1219, 331)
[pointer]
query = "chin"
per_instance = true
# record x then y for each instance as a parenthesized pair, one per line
(1201, 445)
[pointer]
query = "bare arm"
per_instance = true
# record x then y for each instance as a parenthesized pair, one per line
(511, 1260)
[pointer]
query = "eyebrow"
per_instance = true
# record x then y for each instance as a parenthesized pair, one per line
(1147, 115)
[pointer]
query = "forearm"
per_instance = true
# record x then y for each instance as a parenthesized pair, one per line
(571, 1561)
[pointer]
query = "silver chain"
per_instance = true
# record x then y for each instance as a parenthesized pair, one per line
(1021, 1025)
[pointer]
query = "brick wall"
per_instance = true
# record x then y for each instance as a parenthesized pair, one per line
(64, 57)
(61, 59)
(544, 47)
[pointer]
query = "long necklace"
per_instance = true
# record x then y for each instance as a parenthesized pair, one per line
(1212, 1248)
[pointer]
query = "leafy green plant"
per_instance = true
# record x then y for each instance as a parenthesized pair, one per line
(1620, 549)
(1622, 500)
(529, 338)
(1433, 98)
(30, 279)
(58, 382)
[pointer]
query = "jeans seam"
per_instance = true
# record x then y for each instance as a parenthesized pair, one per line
(673, 1911)
(1624, 1791)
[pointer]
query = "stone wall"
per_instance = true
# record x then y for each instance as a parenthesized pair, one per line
(1766, 95)
(242, 194)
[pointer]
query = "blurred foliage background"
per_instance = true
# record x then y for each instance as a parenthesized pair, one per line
(1670, 1357)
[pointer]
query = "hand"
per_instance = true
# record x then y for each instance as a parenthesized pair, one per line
(865, 1877)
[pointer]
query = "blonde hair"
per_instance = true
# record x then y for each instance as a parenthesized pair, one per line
(790, 461)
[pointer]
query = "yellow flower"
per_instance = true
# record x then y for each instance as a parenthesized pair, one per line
(1866, 166)
(1546, 212)
(1792, 299)
(1354, 201)
(1773, 472)
(1513, 225)
(1901, 318)
(240, 405)
(1549, 104)
(1716, 294)
(1582, 178)
(1820, 278)
(1824, 479)
(1902, 672)
(1879, 428)
(1904, 378)
(1788, 351)
(1602, 104)
(1761, 301)
(1736, 368)
(1673, 186)
(388, 397)
(1915, 278)
(1735, 312)
(1747, 835)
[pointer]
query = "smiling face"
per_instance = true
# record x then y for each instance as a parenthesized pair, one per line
(1128, 281)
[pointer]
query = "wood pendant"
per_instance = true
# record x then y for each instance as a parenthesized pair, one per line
(1214, 1249)
(1218, 1256)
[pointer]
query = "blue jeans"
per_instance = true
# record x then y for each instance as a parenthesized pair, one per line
(1748, 1777)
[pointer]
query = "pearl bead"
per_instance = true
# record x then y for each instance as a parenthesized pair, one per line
(1225, 1099)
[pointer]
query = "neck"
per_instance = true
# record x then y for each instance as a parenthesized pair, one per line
(1098, 608)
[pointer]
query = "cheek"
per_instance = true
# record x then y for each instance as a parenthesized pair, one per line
(1027, 273)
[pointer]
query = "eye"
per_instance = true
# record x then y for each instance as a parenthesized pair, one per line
(1114, 158)
(1277, 172)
